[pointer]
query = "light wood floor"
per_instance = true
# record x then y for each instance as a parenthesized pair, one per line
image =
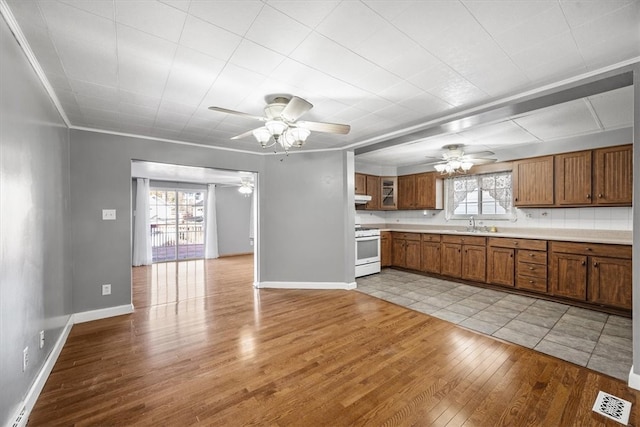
(217, 352)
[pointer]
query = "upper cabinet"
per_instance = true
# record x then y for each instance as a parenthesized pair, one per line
(388, 192)
(373, 190)
(533, 182)
(420, 191)
(573, 178)
(595, 177)
(361, 184)
(613, 175)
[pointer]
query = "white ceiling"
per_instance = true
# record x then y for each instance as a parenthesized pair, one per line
(153, 67)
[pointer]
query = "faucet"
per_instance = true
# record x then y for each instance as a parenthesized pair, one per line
(472, 222)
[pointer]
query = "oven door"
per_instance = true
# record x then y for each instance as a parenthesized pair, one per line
(367, 250)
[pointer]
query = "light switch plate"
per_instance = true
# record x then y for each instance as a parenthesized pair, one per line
(108, 214)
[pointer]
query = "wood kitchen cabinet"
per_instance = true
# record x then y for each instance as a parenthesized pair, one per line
(386, 249)
(406, 250)
(431, 253)
(464, 257)
(573, 178)
(373, 190)
(595, 273)
(388, 192)
(361, 184)
(519, 263)
(532, 182)
(613, 175)
(419, 191)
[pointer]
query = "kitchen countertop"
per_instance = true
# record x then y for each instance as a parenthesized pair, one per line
(614, 237)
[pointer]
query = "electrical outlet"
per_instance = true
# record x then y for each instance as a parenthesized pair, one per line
(106, 289)
(25, 358)
(41, 339)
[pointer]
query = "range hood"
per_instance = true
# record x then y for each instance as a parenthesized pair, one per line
(361, 199)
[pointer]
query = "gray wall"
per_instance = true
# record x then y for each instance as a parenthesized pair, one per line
(306, 226)
(636, 220)
(304, 216)
(35, 274)
(233, 216)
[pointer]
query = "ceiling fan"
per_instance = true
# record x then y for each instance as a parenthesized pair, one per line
(454, 160)
(281, 123)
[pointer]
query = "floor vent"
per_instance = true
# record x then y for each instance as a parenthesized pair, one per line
(612, 407)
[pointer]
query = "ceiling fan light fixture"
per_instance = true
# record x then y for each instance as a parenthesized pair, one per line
(466, 165)
(262, 135)
(298, 135)
(276, 128)
(246, 186)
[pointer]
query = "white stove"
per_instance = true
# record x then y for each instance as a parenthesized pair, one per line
(367, 251)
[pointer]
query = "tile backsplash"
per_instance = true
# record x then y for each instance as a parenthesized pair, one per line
(601, 218)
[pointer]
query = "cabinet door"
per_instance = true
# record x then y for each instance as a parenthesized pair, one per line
(533, 182)
(406, 192)
(501, 266)
(474, 263)
(569, 276)
(399, 258)
(373, 190)
(385, 249)
(425, 191)
(610, 282)
(573, 178)
(614, 175)
(431, 257)
(412, 254)
(451, 254)
(361, 183)
(388, 192)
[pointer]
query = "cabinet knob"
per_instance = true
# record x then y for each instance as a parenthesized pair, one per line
(588, 196)
(587, 249)
(530, 268)
(583, 263)
(531, 254)
(595, 264)
(600, 196)
(516, 199)
(515, 243)
(510, 255)
(530, 281)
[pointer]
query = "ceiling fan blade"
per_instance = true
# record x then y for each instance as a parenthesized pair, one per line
(482, 161)
(243, 135)
(295, 109)
(237, 113)
(479, 153)
(325, 127)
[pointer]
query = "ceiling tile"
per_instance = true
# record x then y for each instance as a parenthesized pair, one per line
(192, 74)
(614, 108)
(227, 14)
(561, 121)
(307, 12)
(232, 86)
(198, 34)
(256, 58)
(276, 31)
(182, 5)
(59, 82)
(350, 23)
(132, 42)
(152, 17)
(427, 104)
(499, 16)
(580, 12)
(102, 8)
(134, 98)
(109, 93)
(97, 103)
(537, 28)
(140, 75)
(84, 61)
(497, 134)
(138, 111)
(27, 13)
(556, 49)
(388, 9)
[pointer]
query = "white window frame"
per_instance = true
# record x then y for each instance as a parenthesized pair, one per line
(450, 208)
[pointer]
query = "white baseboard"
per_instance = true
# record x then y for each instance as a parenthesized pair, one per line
(103, 313)
(305, 285)
(634, 380)
(43, 375)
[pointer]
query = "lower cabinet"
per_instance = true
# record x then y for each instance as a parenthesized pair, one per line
(386, 248)
(501, 266)
(464, 257)
(519, 263)
(595, 273)
(406, 250)
(431, 259)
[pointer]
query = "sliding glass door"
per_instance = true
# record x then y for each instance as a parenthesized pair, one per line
(177, 224)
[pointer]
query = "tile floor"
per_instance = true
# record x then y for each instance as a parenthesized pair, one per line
(588, 338)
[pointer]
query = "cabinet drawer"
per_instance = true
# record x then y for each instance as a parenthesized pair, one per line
(464, 240)
(536, 284)
(614, 251)
(504, 242)
(532, 270)
(431, 238)
(406, 236)
(536, 257)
